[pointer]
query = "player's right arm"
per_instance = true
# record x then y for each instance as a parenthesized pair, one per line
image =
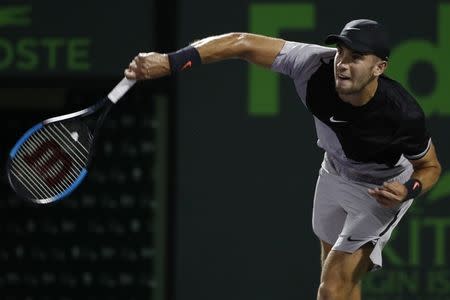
(256, 49)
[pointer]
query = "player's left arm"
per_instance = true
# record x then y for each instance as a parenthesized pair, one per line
(426, 170)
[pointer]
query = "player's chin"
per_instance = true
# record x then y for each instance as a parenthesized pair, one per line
(344, 88)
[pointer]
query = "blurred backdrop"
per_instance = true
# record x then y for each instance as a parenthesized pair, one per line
(202, 183)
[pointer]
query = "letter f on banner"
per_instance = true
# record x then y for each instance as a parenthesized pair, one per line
(410, 52)
(263, 86)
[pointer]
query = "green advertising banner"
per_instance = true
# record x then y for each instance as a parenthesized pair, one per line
(247, 160)
(73, 39)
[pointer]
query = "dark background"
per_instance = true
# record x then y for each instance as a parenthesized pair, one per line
(199, 190)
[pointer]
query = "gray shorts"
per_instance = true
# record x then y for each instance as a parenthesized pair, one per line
(347, 217)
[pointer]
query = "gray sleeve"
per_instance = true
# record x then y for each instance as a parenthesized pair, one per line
(300, 60)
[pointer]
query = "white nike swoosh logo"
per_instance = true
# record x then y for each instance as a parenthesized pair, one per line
(352, 28)
(332, 119)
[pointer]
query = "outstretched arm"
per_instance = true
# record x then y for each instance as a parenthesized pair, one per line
(256, 49)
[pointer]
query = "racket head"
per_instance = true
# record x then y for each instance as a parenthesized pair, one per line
(50, 160)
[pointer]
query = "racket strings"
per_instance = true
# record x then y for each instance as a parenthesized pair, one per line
(33, 187)
(32, 181)
(75, 143)
(50, 161)
(32, 178)
(70, 146)
(41, 161)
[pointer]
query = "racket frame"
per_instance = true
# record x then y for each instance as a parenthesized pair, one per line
(106, 103)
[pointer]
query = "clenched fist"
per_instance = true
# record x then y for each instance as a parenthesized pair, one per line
(148, 66)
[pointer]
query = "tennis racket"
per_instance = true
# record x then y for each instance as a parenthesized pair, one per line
(51, 159)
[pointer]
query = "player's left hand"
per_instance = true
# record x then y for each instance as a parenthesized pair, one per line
(390, 194)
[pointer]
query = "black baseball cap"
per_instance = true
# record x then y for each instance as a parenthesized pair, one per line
(363, 35)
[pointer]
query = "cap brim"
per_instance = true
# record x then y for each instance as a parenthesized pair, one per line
(336, 39)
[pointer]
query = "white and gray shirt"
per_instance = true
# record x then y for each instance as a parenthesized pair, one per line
(369, 143)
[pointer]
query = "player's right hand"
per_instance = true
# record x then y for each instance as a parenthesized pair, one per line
(148, 66)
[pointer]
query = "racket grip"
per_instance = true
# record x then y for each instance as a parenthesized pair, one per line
(120, 89)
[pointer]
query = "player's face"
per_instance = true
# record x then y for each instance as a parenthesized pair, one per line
(354, 71)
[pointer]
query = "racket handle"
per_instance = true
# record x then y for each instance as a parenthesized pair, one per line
(120, 89)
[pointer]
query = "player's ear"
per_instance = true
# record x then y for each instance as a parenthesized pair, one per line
(380, 67)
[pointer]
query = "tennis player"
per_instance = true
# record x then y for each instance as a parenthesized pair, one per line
(378, 153)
